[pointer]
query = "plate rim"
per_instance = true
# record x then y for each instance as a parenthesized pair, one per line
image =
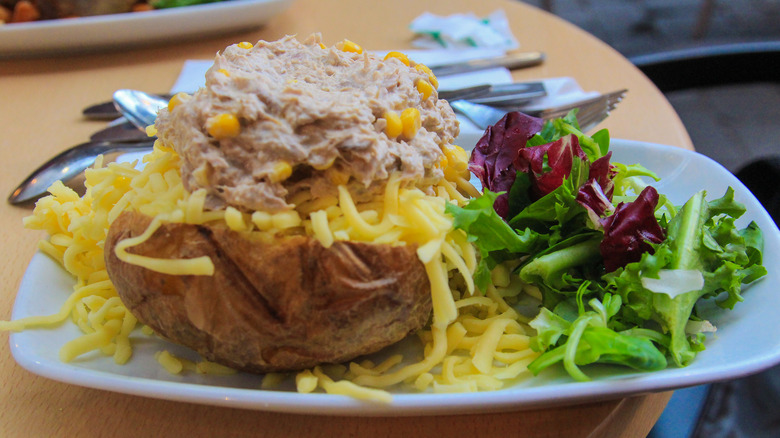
(515, 398)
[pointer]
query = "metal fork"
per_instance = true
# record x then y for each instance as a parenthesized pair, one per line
(591, 111)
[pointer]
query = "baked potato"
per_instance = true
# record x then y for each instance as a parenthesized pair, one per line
(282, 305)
(314, 140)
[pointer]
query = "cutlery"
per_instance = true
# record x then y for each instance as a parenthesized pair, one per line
(591, 111)
(464, 93)
(142, 108)
(514, 94)
(107, 111)
(69, 165)
(511, 61)
(139, 108)
(120, 132)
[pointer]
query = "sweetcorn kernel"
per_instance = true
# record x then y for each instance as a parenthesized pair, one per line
(425, 88)
(431, 77)
(224, 72)
(411, 122)
(282, 170)
(442, 163)
(394, 126)
(223, 126)
(176, 100)
(399, 56)
(349, 46)
(245, 45)
(457, 156)
(451, 174)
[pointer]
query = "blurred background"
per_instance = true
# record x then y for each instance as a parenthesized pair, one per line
(732, 124)
(736, 125)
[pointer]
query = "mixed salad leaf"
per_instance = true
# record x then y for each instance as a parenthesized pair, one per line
(620, 268)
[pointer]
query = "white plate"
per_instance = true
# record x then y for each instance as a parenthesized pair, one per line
(135, 28)
(746, 341)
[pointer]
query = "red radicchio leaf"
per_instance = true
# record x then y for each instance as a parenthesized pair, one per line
(596, 194)
(604, 172)
(628, 231)
(591, 196)
(559, 153)
(493, 156)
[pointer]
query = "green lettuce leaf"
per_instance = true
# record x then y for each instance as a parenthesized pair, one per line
(493, 237)
(701, 237)
(589, 339)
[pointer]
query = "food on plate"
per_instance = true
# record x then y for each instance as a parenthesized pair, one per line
(22, 11)
(288, 128)
(343, 165)
(289, 121)
(619, 267)
(281, 305)
(306, 210)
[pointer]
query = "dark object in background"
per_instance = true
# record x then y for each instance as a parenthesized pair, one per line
(744, 407)
(710, 66)
(747, 407)
(762, 177)
(727, 64)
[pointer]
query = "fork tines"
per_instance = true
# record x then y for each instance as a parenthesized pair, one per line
(590, 111)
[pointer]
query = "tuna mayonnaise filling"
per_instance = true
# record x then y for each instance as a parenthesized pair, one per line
(302, 117)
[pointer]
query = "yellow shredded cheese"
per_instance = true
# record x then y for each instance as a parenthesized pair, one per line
(168, 361)
(476, 341)
(195, 266)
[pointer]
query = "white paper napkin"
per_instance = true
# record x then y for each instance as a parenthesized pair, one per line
(463, 31)
(560, 91)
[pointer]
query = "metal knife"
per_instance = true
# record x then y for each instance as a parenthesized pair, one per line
(507, 94)
(510, 94)
(512, 61)
(514, 94)
(122, 132)
(106, 110)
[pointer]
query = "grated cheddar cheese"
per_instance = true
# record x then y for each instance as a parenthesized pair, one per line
(476, 341)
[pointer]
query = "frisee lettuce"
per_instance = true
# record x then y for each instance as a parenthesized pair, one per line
(585, 230)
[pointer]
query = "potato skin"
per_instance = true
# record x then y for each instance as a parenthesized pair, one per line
(271, 306)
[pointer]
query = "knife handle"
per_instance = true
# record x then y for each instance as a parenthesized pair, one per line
(511, 61)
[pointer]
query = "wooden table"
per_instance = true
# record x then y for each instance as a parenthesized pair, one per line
(40, 104)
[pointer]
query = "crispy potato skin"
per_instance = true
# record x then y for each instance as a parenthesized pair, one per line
(272, 306)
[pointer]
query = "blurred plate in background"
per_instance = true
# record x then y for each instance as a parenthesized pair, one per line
(135, 28)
